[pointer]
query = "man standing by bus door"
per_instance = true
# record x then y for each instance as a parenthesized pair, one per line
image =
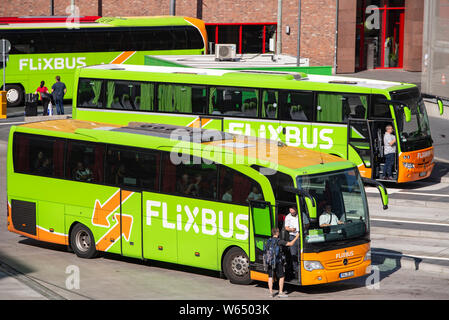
(59, 90)
(389, 151)
(291, 224)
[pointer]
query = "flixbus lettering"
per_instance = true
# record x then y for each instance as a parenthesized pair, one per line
(199, 220)
(294, 136)
(51, 63)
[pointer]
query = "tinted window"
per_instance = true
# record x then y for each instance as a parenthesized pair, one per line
(85, 161)
(191, 177)
(38, 155)
(270, 104)
(334, 107)
(181, 98)
(296, 105)
(380, 110)
(90, 93)
(132, 167)
(237, 188)
(237, 102)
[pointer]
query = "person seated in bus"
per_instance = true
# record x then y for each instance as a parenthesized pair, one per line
(120, 174)
(45, 169)
(39, 161)
(328, 218)
(195, 187)
(182, 186)
(359, 112)
(82, 173)
(255, 194)
(227, 196)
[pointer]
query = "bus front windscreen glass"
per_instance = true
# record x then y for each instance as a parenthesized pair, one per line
(414, 135)
(342, 212)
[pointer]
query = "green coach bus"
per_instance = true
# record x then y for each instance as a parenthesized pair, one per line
(190, 196)
(41, 51)
(342, 116)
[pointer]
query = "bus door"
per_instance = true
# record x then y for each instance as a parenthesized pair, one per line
(130, 223)
(262, 222)
(360, 145)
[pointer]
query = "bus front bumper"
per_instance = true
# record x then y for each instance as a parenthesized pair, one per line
(415, 165)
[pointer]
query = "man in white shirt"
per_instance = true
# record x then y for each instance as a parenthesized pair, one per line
(291, 224)
(328, 218)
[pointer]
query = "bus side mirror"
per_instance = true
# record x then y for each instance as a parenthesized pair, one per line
(407, 113)
(440, 106)
(311, 208)
(381, 188)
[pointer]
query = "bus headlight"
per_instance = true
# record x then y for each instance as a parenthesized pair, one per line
(367, 256)
(408, 165)
(312, 265)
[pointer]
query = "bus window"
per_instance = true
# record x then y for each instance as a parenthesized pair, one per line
(235, 102)
(237, 188)
(90, 93)
(192, 179)
(132, 167)
(270, 104)
(43, 156)
(126, 95)
(181, 98)
(296, 105)
(341, 107)
(85, 162)
(378, 109)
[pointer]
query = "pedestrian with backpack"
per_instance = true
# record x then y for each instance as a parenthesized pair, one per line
(274, 260)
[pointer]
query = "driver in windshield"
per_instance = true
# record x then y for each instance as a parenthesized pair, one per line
(328, 218)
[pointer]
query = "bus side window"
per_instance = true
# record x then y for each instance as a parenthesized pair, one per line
(334, 107)
(190, 178)
(270, 104)
(380, 110)
(237, 188)
(43, 156)
(296, 105)
(85, 161)
(181, 98)
(90, 93)
(237, 102)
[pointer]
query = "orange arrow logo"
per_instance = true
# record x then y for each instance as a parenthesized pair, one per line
(125, 224)
(103, 211)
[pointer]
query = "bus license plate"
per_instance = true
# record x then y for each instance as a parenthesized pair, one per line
(346, 274)
(422, 174)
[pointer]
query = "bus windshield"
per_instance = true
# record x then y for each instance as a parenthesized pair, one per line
(414, 135)
(342, 211)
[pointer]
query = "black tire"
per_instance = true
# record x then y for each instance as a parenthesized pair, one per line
(236, 266)
(14, 95)
(82, 242)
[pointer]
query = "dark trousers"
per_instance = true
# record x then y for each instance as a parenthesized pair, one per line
(389, 164)
(45, 106)
(59, 106)
(294, 251)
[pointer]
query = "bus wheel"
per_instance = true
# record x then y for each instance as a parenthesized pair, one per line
(14, 95)
(236, 266)
(82, 242)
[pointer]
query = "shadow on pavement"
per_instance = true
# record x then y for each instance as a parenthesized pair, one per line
(441, 170)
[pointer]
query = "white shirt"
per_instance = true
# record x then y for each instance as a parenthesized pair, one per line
(292, 222)
(328, 218)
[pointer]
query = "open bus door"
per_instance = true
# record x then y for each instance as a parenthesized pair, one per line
(360, 144)
(261, 220)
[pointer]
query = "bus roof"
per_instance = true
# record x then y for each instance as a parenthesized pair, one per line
(159, 136)
(105, 22)
(331, 83)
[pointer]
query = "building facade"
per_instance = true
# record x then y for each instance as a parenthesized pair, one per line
(350, 35)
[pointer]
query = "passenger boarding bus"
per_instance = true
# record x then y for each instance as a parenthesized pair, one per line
(189, 196)
(345, 117)
(43, 50)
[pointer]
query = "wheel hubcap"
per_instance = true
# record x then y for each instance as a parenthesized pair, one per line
(240, 265)
(82, 241)
(12, 95)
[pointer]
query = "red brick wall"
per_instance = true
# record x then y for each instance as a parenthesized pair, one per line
(318, 17)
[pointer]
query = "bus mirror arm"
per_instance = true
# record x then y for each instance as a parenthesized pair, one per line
(381, 188)
(438, 99)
